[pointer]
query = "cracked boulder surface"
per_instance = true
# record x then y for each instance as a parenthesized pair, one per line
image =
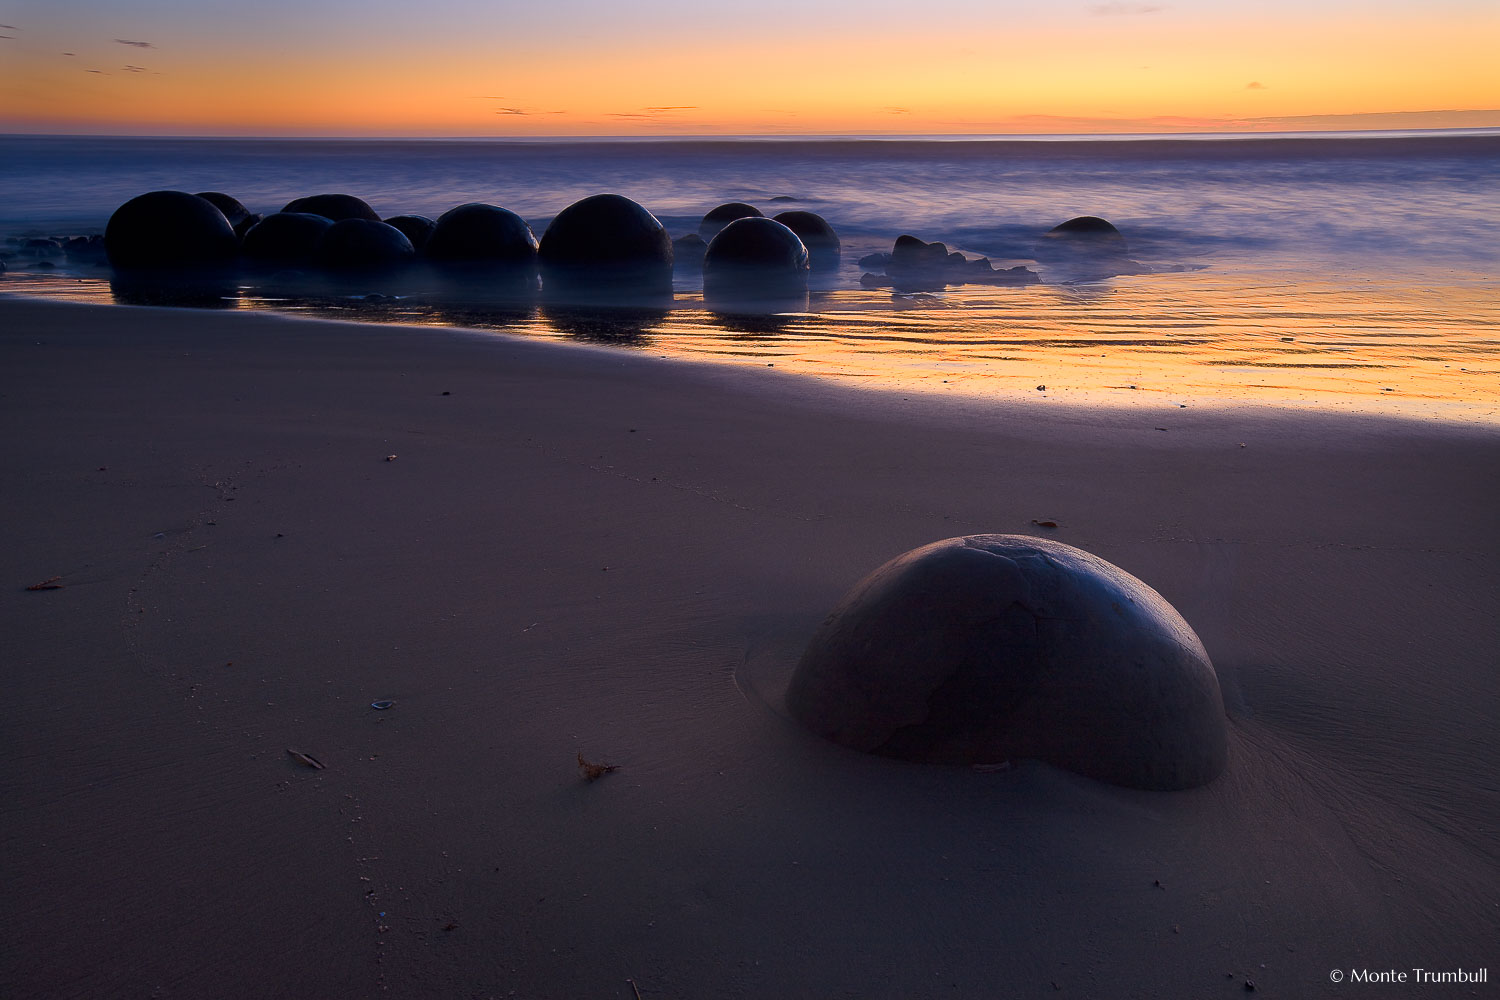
(989, 648)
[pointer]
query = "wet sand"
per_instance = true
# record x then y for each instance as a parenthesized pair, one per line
(579, 550)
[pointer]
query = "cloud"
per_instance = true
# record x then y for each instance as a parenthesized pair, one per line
(1256, 85)
(896, 111)
(70, 53)
(99, 71)
(139, 45)
(1117, 9)
(7, 36)
(134, 69)
(523, 111)
(653, 114)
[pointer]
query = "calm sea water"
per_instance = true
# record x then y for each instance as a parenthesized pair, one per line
(1348, 270)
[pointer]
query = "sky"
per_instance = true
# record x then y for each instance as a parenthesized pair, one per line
(699, 67)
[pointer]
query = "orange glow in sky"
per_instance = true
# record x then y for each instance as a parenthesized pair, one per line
(666, 67)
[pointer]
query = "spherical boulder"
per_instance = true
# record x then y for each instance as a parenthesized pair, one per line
(286, 239)
(229, 205)
(337, 207)
(823, 247)
(361, 246)
(717, 218)
(688, 251)
(754, 256)
(479, 234)
(989, 648)
(169, 230)
(416, 228)
(606, 244)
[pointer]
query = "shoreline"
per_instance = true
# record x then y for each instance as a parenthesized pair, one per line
(590, 551)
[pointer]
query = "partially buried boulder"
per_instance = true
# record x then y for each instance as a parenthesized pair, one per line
(754, 257)
(286, 239)
(990, 648)
(169, 230)
(360, 246)
(337, 207)
(688, 251)
(482, 235)
(416, 228)
(229, 205)
(606, 245)
(1086, 248)
(823, 247)
(717, 218)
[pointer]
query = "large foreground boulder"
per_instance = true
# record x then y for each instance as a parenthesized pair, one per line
(606, 245)
(168, 230)
(337, 207)
(989, 648)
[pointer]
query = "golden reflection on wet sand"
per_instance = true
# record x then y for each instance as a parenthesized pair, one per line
(1422, 344)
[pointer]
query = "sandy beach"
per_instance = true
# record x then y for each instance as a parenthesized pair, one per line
(257, 526)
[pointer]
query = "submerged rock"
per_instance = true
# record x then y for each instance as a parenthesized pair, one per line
(1084, 249)
(916, 265)
(337, 207)
(169, 230)
(688, 251)
(717, 218)
(989, 648)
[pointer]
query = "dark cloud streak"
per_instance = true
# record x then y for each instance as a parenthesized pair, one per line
(139, 45)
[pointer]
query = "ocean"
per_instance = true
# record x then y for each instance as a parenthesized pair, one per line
(1356, 271)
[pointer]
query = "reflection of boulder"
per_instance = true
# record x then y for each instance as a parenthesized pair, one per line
(990, 648)
(1086, 248)
(362, 246)
(603, 324)
(915, 265)
(169, 229)
(606, 246)
(416, 228)
(717, 218)
(754, 258)
(479, 234)
(337, 207)
(286, 239)
(823, 247)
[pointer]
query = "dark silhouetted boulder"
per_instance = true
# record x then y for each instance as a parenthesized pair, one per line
(718, 218)
(606, 245)
(286, 239)
(229, 205)
(479, 234)
(416, 228)
(823, 247)
(991, 648)
(337, 207)
(361, 246)
(169, 230)
(688, 251)
(754, 258)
